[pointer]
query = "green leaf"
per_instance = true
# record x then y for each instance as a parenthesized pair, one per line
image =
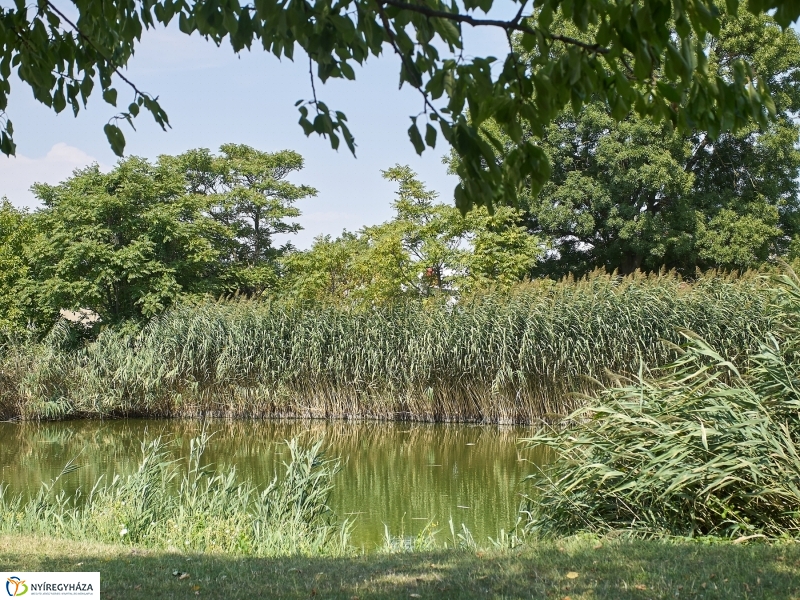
(110, 96)
(463, 203)
(347, 71)
(115, 138)
(430, 135)
(59, 100)
(669, 92)
(416, 138)
(7, 146)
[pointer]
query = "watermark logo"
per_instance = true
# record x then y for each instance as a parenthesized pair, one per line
(51, 585)
(16, 587)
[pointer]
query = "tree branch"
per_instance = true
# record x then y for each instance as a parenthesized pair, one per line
(313, 87)
(513, 25)
(404, 58)
(96, 49)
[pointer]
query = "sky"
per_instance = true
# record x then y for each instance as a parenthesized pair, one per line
(213, 96)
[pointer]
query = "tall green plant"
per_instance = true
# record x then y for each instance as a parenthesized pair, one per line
(193, 507)
(498, 357)
(705, 448)
(130, 243)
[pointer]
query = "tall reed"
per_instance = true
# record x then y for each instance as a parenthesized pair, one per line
(495, 357)
(710, 446)
(190, 506)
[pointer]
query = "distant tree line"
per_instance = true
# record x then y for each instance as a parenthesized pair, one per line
(624, 195)
(132, 242)
(129, 243)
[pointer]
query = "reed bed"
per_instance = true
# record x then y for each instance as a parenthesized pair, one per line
(510, 357)
(190, 506)
(707, 447)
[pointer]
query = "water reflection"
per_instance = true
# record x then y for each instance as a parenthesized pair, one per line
(399, 474)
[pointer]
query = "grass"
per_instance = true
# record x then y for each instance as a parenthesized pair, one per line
(611, 569)
(496, 357)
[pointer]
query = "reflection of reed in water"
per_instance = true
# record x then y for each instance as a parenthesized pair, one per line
(402, 474)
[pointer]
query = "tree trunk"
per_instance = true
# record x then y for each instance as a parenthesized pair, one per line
(630, 262)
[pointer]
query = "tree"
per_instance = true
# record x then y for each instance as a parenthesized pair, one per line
(415, 254)
(503, 251)
(126, 244)
(427, 249)
(15, 230)
(429, 233)
(642, 195)
(129, 243)
(329, 271)
(251, 197)
(647, 57)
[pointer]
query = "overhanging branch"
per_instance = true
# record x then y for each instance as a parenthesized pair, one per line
(513, 25)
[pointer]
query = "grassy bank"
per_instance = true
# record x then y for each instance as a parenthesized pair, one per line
(511, 357)
(609, 570)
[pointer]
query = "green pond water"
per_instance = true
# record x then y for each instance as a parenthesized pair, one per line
(401, 475)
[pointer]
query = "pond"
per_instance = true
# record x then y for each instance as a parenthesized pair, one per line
(404, 476)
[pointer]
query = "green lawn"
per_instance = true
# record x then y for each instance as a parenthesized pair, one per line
(574, 568)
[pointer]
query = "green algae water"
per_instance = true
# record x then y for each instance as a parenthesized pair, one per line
(403, 477)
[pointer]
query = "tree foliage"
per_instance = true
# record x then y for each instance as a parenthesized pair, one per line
(15, 230)
(636, 194)
(133, 242)
(130, 243)
(125, 244)
(427, 249)
(252, 198)
(648, 57)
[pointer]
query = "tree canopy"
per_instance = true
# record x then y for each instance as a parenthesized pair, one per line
(125, 244)
(133, 242)
(427, 250)
(251, 196)
(129, 243)
(635, 194)
(649, 58)
(14, 232)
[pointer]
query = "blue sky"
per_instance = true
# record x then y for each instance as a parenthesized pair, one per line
(213, 97)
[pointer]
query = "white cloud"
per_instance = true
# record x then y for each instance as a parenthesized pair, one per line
(19, 173)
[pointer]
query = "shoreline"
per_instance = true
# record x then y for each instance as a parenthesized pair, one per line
(547, 419)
